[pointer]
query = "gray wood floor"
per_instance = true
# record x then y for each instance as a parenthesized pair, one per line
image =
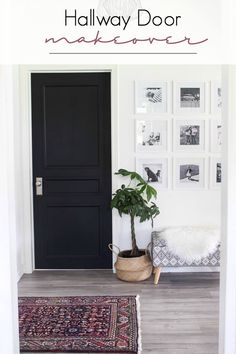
(179, 316)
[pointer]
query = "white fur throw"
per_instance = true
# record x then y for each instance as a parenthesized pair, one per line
(191, 243)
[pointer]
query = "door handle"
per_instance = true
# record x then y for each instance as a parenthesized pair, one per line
(39, 185)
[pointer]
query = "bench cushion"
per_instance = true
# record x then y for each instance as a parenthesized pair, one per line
(162, 257)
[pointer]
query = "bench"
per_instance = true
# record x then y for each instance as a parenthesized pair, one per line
(162, 257)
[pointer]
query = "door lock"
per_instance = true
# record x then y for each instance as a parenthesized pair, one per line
(39, 185)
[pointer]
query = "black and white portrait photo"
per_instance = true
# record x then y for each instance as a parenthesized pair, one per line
(219, 98)
(218, 172)
(189, 135)
(154, 171)
(190, 97)
(216, 136)
(189, 173)
(151, 135)
(216, 97)
(154, 94)
(150, 97)
(219, 134)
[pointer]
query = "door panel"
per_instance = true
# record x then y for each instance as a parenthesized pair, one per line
(71, 131)
(79, 106)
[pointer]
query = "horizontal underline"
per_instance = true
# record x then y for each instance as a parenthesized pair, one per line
(106, 53)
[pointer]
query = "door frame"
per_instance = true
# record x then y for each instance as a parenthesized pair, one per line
(26, 134)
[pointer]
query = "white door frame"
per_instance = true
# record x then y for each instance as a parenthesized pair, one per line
(25, 93)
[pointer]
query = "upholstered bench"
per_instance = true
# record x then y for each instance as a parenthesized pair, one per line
(162, 257)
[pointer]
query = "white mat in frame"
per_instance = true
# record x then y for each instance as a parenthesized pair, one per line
(189, 135)
(189, 97)
(151, 135)
(151, 97)
(154, 171)
(189, 173)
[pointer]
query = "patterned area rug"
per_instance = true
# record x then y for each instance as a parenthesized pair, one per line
(84, 324)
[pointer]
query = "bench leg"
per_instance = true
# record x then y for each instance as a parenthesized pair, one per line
(157, 273)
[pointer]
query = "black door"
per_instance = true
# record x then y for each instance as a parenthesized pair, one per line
(71, 133)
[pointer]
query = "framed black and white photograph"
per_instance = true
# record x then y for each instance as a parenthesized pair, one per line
(216, 173)
(216, 97)
(216, 136)
(150, 97)
(189, 97)
(189, 135)
(151, 135)
(154, 171)
(189, 173)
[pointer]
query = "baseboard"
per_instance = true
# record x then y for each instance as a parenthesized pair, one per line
(20, 271)
(19, 275)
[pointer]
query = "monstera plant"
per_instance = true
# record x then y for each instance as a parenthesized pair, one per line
(135, 200)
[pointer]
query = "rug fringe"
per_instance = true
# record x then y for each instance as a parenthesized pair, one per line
(139, 324)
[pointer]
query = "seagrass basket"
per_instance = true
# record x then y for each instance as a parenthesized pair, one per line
(132, 269)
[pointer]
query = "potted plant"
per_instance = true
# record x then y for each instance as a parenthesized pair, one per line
(134, 200)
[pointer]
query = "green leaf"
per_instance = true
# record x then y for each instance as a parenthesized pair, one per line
(142, 189)
(122, 172)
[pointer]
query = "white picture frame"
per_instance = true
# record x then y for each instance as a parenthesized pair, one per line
(216, 135)
(151, 135)
(189, 135)
(216, 172)
(150, 97)
(189, 98)
(216, 97)
(155, 171)
(189, 173)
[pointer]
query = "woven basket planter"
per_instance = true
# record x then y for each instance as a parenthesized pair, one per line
(132, 269)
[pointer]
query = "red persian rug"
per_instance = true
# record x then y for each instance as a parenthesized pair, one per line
(84, 324)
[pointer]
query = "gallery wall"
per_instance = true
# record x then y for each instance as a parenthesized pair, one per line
(185, 206)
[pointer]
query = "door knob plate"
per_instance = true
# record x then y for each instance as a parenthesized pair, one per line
(39, 185)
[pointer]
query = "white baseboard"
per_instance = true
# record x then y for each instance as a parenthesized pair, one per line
(19, 275)
(20, 271)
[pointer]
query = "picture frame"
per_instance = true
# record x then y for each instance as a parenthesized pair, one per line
(189, 173)
(189, 135)
(216, 135)
(216, 97)
(151, 135)
(216, 172)
(189, 98)
(154, 171)
(150, 97)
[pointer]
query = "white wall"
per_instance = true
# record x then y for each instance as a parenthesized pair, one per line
(18, 165)
(228, 264)
(176, 207)
(8, 224)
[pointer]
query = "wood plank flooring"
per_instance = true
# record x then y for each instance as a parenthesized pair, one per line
(179, 316)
